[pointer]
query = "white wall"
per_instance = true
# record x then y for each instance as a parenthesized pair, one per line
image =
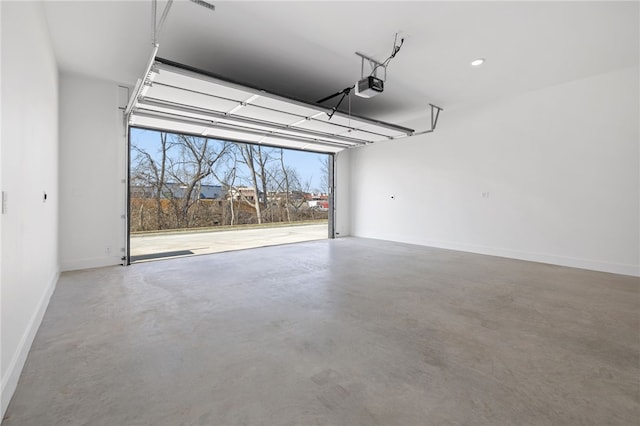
(29, 261)
(92, 170)
(560, 166)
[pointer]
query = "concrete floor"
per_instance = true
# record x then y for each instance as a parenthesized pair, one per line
(154, 246)
(335, 332)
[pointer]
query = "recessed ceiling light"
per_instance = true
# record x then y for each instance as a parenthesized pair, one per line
(477, 62)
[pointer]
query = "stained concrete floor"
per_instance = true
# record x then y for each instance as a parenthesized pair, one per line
(335, 332)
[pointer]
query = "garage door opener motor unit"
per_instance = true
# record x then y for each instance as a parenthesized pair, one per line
(369, 86)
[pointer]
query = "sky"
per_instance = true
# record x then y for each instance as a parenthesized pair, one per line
(307, 164)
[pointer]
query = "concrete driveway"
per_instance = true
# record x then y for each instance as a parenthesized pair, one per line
(159, 246)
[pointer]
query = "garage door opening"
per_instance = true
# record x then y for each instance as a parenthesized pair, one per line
(247, 136)
(195, 195)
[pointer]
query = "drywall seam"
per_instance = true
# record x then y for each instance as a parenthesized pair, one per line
(10, 381)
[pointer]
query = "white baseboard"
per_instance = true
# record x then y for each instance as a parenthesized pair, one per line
(615, 268)
(593, 265)
(94, 262)
(10, 381)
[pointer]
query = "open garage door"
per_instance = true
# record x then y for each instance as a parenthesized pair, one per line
(185, 100)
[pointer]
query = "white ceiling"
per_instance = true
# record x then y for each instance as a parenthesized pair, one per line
(306, 49)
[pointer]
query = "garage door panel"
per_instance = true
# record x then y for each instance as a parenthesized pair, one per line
(199, 103)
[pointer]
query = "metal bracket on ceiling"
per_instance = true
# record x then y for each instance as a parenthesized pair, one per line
(434, 116)
(141, 84)
(156, 26)
(435, 113)
(375, 65)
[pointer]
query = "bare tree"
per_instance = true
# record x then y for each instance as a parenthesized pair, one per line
(228, 178)
(247, 153)
(324, 173)
(299, 189)
(196, 161)
(279, 185)
(257, 158)
(286, 186)
(150, 171)
(233, 181)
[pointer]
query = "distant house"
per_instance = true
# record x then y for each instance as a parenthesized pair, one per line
(210, 192)
(202, 191)
(177, 190)
(321, 205)
(318, 197)
(318, 201)
(244, 193)
(291, 195)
